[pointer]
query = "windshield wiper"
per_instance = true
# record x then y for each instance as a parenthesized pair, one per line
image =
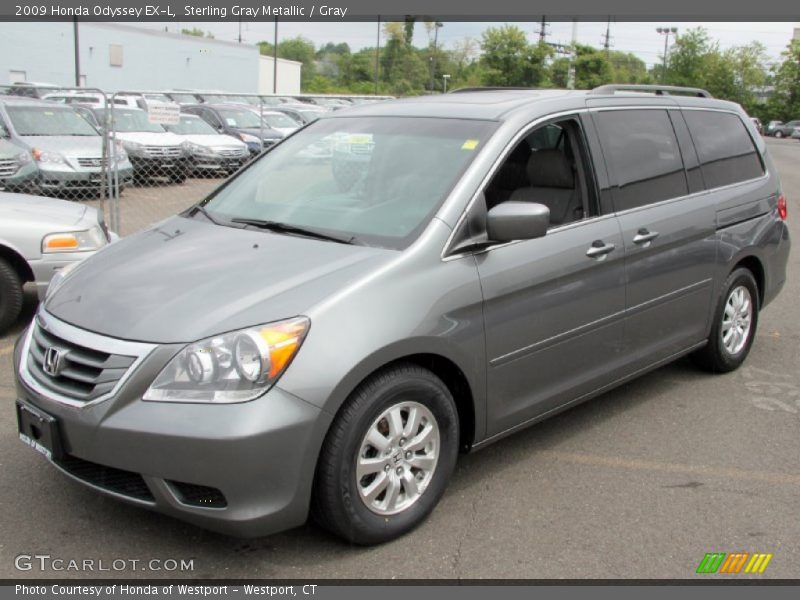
(279, 227)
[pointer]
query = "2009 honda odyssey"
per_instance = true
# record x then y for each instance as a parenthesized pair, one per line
(327, 337)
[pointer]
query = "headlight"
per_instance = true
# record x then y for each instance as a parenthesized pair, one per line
(47, 157)
(24, 158)
(234, 367)
(74, 241)
(249, 139)
(193, 148)
(59, 278)
(134, 148)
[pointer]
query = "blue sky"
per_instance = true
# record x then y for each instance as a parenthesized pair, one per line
(639, 38)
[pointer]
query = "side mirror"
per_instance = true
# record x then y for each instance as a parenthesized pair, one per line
(511, 220)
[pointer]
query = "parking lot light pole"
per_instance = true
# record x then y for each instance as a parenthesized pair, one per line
(666, 31)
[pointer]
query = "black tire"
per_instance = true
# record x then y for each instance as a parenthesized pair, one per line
(336, 502)
(11, 295)
(778, 134)
(714, 357)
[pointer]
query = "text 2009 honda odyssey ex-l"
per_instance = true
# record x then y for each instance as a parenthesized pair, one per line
(326, 340)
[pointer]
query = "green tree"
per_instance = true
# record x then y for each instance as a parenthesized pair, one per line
(784, 104)
(509, 60)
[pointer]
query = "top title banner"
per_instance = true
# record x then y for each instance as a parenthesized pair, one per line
(389, 10)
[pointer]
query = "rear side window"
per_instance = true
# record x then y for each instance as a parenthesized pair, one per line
(726, 151)
(643, 153)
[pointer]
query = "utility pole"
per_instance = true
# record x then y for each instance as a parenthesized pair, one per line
(573, 57)
(240, 30)
(666, 31)
(77, 52)
(607, 38)
(275, 60)
(377, 54)
(543, 31)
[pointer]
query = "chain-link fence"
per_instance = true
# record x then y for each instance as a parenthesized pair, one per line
(140, 156)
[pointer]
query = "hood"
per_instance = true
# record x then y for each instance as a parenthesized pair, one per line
(73, 146)
(15, 208)
(266, 133)
(215, 141)
(149, 138)
(187, 279)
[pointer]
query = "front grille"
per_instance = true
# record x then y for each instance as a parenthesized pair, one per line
(199, 495)
(8, 166)
(83, 374)
(92, 162)
(232, 151)
(165, 151)
(361, 148)
(121, 482)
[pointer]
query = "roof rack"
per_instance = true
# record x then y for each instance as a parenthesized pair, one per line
(488, 89)
(658, 90)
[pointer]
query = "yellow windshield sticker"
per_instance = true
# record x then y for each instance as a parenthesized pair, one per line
(470, 145)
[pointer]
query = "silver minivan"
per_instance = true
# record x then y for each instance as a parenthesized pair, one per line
(303, 341)
(66, 149)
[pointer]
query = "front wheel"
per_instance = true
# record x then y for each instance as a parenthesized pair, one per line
(11, 295)
(388, 456)
(734, 328)
(778, 134)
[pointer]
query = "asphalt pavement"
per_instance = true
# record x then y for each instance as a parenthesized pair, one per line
(641, 482)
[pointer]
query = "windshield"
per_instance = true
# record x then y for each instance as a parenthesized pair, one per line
(243, 118)
(280, 121)
(130, 120)
(192, 126)
(184, 98)
(39, 120)
(378, 179)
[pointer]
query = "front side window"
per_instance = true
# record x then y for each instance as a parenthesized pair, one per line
(642, 151)
(38, 120)
(726, 151)
(243, 118)
(548, 166)
(378, 180)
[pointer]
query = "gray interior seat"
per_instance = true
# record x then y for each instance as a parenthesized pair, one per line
(552, 183)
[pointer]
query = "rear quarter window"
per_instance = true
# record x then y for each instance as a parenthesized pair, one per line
(726, 151)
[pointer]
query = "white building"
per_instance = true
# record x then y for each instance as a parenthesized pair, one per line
(124, 57)
(288, 76)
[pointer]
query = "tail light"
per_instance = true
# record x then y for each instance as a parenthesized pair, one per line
(783, 212)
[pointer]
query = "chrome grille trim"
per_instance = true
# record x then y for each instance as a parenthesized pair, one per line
(8, 167)
(84, 363)
(168, 151)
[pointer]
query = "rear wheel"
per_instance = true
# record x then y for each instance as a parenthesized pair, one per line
(11, 295)
(779, 134)
(735, 322)
(388, 456)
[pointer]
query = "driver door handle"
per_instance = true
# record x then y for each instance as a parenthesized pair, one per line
(599, 250)
(644, 236)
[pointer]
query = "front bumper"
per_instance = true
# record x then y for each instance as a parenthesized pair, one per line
(24, 178)
(63, 180)
(258, 456)
(201, 162)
